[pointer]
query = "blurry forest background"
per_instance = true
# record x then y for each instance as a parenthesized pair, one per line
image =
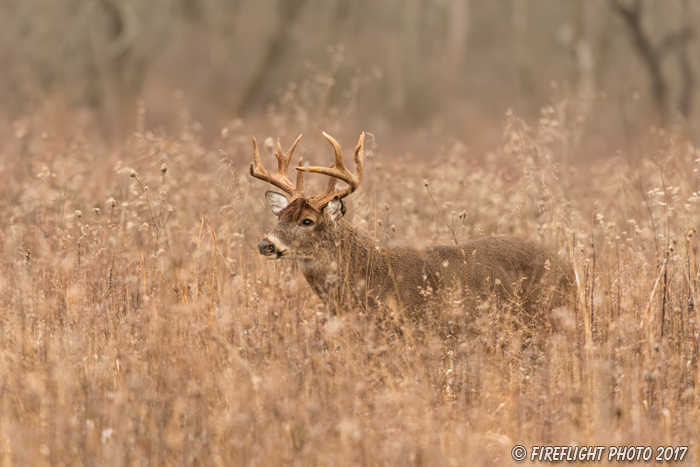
(139, 325)
(402, 69)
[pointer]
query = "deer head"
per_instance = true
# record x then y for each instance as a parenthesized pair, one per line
(305, 225)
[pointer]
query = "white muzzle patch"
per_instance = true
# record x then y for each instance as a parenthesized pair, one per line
(281, 250)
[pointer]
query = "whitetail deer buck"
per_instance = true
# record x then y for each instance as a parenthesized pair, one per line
(347, 268)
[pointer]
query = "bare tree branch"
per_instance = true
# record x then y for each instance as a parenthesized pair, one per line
(289, 11)
(674, 40)
(652, 56)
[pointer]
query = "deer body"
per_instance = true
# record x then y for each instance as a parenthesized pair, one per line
(348, 269)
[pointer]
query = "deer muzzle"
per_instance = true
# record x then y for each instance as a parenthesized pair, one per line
(272, 248)
(266, 248)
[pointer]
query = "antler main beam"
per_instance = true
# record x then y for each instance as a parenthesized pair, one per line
(279, 179)
(338, 171)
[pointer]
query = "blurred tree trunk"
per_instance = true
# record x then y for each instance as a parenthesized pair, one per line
(220, 17)
(632, 16)
(123, 52)
(523, 62)
(289, 11)
(347, 19)
(410, 55)
(416, 88)
(585, 76)
(457, 37)
(653, 54)
(688, 82)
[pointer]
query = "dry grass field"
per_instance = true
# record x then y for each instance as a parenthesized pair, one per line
(140, 326)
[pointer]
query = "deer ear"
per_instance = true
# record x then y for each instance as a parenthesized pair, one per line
(277, 201)
(336, 208)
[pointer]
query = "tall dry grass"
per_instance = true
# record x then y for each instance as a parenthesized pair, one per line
(139, 326)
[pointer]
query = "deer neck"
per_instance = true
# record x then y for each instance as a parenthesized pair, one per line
(341, 257)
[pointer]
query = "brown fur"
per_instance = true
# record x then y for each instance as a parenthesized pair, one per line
(294, 211)
(348, 269)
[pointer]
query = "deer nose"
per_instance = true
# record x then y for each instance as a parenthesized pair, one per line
(266, 247)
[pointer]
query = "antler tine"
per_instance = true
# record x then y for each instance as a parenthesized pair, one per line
(256, 158)
(338, 172)
(283, 164)
(360, 157)
(284, 158)
(300, 176)
(338, 152)
(331, 191)
(280, 179)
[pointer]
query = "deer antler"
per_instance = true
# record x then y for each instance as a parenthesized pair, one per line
(338, 172)
(280, 179)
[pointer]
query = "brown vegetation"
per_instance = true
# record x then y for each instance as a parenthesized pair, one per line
(140, 323)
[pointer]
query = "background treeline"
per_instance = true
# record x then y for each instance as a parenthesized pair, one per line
(444, 66)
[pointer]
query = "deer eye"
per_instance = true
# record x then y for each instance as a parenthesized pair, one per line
(307, 222)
